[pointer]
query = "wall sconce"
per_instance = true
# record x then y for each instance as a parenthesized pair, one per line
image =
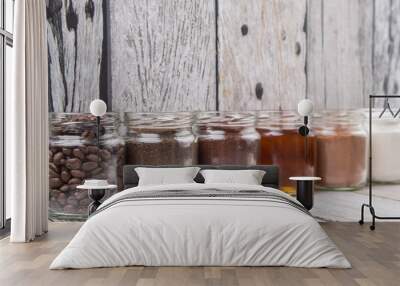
(305, 108)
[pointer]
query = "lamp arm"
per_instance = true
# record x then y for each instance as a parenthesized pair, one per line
(305, 120)
(98, 131)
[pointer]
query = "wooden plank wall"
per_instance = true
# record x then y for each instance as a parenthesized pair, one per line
(339, 62)
(164, 55)
(77, 54)
(386, 68)
(262, 52)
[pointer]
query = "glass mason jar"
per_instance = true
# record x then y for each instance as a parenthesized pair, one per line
(385, 144)
(342, 148)
(74, 157)
(282, 145)
(160, 139)
(227, 138)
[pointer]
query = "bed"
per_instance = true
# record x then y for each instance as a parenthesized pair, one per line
(197, 224)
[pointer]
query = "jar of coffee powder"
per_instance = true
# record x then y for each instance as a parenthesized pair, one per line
(74, 156)
(282, 145)
(341, 150)
(227, 138)
(160, 139)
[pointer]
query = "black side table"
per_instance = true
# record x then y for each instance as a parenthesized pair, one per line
(96, 194)
(305, 190)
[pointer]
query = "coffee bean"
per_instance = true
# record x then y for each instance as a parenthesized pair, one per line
(73, 164)
(105, 155)
(92, 157)
(93, 149)
(57, 158)
(81, 194)
(62, 199)
(55, 183)
(53, 174)
(74, 181)
(54, 193)
(102, 176)
(78, 153)
(69, 209)
(84, 149)
(64, 188)
(96, 171)
(67, 151)
(72, 201)
(73, 187)
(78, 174)
(53, 167)
(84, 202)
(65, 176)
(54, 204)
(89, 166)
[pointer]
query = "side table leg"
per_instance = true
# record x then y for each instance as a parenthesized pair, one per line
(96, 197)
(305, 193)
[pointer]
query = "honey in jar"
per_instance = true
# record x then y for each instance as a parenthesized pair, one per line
(282, 145)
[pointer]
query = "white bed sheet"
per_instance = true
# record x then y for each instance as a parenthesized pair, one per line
(200, 232)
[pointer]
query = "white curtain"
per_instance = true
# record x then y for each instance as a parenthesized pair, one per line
(27, 124)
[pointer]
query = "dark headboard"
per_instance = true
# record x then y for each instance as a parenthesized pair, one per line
(271, 177)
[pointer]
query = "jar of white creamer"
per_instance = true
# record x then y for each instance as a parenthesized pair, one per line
(385, 147)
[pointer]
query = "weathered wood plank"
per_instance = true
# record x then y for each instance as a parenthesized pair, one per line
(339, 62)
(163, 55)
(386, 69)
(75, 43)
(271, 55)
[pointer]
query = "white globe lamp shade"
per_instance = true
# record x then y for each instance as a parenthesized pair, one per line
(305, 107)
(98, 107)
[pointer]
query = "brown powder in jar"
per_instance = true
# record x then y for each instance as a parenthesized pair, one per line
(341, 160)
(167, 150)
(232, 147)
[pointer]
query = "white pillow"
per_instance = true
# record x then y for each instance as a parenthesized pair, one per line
(165, 176)
(248, 177)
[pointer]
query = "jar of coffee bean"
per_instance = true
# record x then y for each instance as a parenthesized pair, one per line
(75, 155)
(160, 139)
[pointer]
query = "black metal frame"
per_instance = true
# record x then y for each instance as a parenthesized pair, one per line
(370, 204)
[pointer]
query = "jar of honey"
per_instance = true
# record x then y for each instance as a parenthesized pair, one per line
(282, 145)
(341, 149)
(227, 138)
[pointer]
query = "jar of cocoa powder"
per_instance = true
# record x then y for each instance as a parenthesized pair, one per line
(75, 157)
(342, 147)
(160, 139)
(282, 145)
(227, 138)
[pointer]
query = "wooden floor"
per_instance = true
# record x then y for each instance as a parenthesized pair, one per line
(375, 257)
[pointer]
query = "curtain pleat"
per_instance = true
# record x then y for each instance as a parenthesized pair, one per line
(29, 157)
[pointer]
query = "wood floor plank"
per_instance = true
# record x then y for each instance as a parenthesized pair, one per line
(375, 257)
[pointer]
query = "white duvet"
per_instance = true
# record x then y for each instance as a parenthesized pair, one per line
(200, 231)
